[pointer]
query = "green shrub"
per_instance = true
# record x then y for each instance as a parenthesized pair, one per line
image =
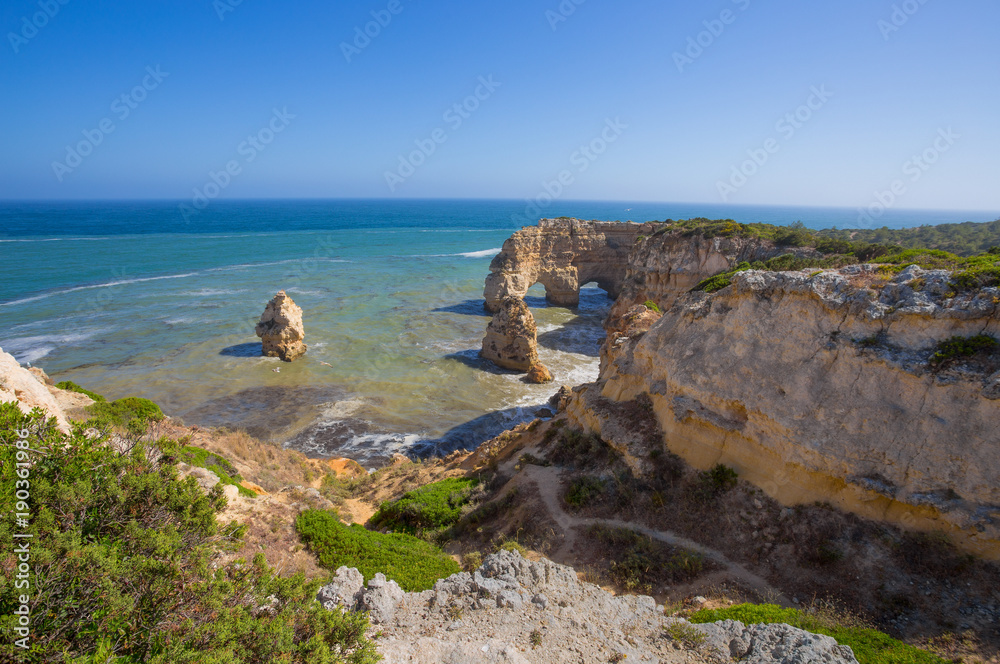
(130, 412)
(73, 387)
(122, 560)
(718, 480)
(195, 456)
(638, 562)
(652, 306)
(959, 347)
(411, 562)
(431, 507)
(583, 491)
(870, 646)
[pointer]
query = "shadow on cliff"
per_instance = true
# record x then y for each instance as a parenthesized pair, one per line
(242, 350)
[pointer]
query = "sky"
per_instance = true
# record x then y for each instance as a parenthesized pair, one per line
(785, 102)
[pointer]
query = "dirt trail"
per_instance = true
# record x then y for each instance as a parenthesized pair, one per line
(547, 479)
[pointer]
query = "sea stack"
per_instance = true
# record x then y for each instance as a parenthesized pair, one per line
(280, 329)
(511, 339)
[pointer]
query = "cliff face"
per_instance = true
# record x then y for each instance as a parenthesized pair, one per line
(663, 267)
(562, 255)
(817, 387)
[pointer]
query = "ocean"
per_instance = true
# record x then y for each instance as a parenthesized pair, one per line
(138, 299)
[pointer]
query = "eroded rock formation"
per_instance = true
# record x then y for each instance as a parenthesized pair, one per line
(562, 255)
(281, 330)
(511, 338)
(816, 386)
(29, 390)
(489, 616)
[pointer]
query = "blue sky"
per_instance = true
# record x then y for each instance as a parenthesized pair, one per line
(560, 77)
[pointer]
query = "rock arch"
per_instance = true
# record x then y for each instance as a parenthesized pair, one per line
(561, 255)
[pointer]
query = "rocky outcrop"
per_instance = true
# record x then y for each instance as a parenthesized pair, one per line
(629, 326)
(511, 339)
(563, 255)
(29, 390)
(671, 262)
(816, 386)
(281, 330)
(515, 610)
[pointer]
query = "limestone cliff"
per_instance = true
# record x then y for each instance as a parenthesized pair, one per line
(671, 262)
(30, 390)
(817, 386)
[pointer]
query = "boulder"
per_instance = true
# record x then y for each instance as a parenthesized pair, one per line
(511, 339)
(380, 599)
(281, 330)
(774, 644)
(343, 590)
(539, 373)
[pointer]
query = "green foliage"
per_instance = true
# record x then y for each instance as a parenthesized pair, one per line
(431, 507)
(508, 544)
(686, 634)
(959, 347)
(472, 561)
(73, 387)
(132, 413)
(584, 490)
(125, 565)
(411, 562)
(483, 513)
(535, 638)
(870, 646)
(195, 456)
(965, 239)
(652, 306)
(718, 480)
(638, 562)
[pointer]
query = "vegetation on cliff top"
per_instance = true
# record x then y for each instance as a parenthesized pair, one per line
(73, 387)
(965, 239)
(869, 645)
(411, 562)
(125, 563)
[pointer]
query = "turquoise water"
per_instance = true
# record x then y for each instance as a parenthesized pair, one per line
(131, 299)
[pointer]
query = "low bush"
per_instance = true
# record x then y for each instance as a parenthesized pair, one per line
(718, 480)
(128, 413)
(73, 387)
(411, 562)
(652, 306)
(638, 563)
(195, 456)
(956, 348)
(583, 491)
(870, 646)
(125, 565)
(431, 507)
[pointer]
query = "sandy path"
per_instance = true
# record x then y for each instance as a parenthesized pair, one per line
(547, 479)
